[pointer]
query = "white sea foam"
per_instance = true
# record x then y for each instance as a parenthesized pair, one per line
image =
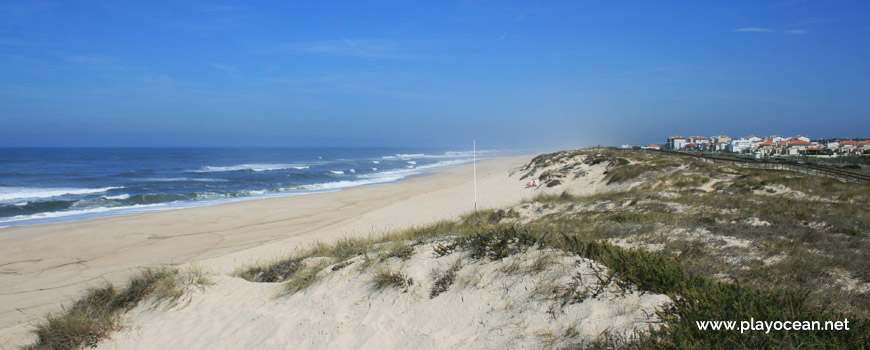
(342, 184)
(401, 173)
(206, 199)
(375, 178)
(405, 156)
(179, 179)
(250, 167)
(118, 197)
(412, 162)
(352, 170)
(376, 162)
(337, 172)
(19, 193)
(463, 154)
(82, 212)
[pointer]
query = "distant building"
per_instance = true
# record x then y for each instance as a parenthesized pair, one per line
(740, 145)
(775, 138)
(814, 151)
(768, 146)
(721, 139)
(800, 138)
(676, 142)
(699, 140)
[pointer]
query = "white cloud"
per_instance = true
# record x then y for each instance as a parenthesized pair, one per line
(796, 31)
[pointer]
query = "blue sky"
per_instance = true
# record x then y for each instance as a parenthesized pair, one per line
(428, 73)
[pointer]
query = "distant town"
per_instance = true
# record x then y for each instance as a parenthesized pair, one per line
(769, 146)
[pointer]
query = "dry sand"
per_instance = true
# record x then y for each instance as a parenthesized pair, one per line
(501, 304)
(42, 266)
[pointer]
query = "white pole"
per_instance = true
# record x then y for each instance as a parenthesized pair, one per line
(474, 155)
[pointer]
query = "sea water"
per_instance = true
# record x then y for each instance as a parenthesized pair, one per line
(40, 185)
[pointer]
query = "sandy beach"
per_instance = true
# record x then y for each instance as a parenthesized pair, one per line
(43, 266)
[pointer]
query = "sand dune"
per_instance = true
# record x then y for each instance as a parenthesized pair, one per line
(503, 304)
(43, 266)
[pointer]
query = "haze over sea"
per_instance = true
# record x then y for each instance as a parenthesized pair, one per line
(40, 185)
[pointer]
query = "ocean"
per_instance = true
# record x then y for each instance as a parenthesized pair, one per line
(41, 185)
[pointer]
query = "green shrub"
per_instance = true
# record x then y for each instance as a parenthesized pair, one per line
(386, 279)
(498, 243)
(276, 272)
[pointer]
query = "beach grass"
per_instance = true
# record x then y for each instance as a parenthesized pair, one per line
(96, 314)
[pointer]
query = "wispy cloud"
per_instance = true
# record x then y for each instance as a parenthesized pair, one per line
(7, 41)
(369, 83)
(385, 49)
(233, 72)
(769, 30)
(214, 19)
(755, 29)
(113, 68)
(220, 8)
(94, 61)
(16, 12)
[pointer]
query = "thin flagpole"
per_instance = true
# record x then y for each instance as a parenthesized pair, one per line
(474, 155)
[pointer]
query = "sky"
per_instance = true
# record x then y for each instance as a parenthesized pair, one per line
(509, 74)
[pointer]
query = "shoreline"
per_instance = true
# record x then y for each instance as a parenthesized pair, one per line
(157, 207)
(44, 265)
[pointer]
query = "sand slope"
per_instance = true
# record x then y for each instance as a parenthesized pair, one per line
(505, 304)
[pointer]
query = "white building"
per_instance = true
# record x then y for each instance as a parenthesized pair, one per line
(776, 138)
(699, 140)
(740, 145)
(676, 142)
(800, 138)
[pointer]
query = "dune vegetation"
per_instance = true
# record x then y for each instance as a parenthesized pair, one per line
(721, 243)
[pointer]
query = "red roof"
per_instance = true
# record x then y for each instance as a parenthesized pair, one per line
(813, 149)
(656, 146)
(768, 143)
(798, 142)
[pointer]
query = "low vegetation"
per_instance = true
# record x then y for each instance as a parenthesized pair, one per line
(723, 243)
(443, 280)
(386, 279)
(97, 313)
